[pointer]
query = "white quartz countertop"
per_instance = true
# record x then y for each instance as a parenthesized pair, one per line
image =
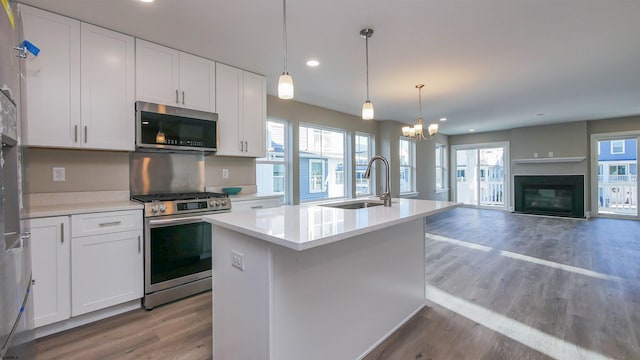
(82, 208)
(301, 227)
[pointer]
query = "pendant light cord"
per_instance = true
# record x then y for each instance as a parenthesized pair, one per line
(366, 41)
(420, 100)
(284, 33)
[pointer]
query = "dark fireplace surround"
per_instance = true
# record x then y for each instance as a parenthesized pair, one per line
(554, 195)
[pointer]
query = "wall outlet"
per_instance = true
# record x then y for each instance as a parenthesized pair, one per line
(58, 174)
(225, 173)
(237, 260)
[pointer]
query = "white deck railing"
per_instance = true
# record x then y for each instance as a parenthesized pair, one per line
(491, 193)
(618, 197)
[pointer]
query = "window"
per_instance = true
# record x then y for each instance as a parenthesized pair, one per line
(407, 166)
(617, 146)
(441, 167)
(322, 159)
(364, 151)
(271, 170)
(460, 174)
(618, 170)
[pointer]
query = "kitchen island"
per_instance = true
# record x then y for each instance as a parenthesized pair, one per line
(316, 282)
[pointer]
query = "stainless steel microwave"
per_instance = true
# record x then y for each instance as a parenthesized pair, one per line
(163, 127)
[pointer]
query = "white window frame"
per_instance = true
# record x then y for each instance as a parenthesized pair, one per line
(286, 159)
(411, 166)
(311, 176)
(442, 169)
(612, 147)
(370, 153)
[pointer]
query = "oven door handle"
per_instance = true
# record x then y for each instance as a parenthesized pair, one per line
(183, 220)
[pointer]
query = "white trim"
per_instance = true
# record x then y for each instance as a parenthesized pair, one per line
(549, 160)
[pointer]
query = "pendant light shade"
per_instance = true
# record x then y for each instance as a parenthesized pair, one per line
(367, 110)
(285, 82)
(285, 86)
(367, 107)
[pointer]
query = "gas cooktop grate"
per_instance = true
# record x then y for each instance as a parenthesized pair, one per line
(177, 196)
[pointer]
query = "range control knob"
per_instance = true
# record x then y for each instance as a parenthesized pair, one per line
(155, 208)
(163, 208)
(223, 202)
(217, 203)
(211, 203)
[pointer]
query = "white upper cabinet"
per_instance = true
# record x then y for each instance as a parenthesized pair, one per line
(53, 79)
(107, 87)
(241, 107)
(170, 77)
(81, 87)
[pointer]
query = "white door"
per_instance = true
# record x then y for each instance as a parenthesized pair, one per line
(157, 71)
(197, 83)
(481, 175)
(615, 174)
(107, 89)
(255, 114)
(53, 79)
(107, 270)
(50, 260)
(228, 105)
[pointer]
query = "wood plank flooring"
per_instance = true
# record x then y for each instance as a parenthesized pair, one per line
(571, 286)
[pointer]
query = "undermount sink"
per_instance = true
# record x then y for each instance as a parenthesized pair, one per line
(355, 204)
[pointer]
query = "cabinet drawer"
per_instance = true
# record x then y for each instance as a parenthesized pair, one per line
(242, 205)
(106, 222)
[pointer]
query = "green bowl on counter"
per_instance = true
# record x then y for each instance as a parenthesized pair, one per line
(231, 190)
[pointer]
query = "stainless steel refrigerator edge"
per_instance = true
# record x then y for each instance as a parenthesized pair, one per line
(16, 303)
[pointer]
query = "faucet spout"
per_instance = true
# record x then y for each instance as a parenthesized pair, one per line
(386, 195)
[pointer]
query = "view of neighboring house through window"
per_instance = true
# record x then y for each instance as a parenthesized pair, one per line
(322, 159)
(407, 166)
(364, 151)
(271, 170)
(441, 167)
(618, 177)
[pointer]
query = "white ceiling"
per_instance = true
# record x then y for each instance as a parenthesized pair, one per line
(487, 64)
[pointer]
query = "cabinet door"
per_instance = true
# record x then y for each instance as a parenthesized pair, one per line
(229, 108)
(50, 265)
(197, 83)
(157, 71)
(52, 79)
(255, 114)
(107, 89)
(107, 270)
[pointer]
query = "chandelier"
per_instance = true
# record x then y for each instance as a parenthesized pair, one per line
(416, 132)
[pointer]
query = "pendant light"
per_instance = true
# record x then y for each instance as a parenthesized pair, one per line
(416, 132)
(367, 107)
(285, 82)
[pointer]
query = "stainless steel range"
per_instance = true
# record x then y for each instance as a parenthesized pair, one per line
(177, 242)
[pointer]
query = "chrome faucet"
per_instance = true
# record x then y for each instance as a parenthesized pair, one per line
(386, 195)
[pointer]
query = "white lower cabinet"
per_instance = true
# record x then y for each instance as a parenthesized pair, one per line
(86, 262)
(50, 261)
(254, 204)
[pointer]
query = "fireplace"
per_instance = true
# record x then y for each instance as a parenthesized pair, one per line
(555, 195)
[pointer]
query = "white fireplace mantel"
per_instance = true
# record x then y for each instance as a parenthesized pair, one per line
(574, 159)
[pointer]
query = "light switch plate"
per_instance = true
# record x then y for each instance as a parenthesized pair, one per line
(225, 173)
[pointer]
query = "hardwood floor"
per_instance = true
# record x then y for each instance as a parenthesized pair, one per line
(500, 286)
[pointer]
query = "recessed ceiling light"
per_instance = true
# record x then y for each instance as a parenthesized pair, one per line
(539, 114)
(147, 1)
(443, 119)
(472, 130)
(313, 63)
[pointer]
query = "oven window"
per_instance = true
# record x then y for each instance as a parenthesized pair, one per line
(180, 250)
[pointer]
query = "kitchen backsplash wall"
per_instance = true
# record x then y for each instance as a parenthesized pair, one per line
(87, 170)
(242, 171)
(84, 170)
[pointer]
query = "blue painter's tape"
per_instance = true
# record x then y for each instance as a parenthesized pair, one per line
(31, 48)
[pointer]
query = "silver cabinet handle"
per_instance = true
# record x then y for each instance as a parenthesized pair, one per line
(22, 51)
(139, 244)
(246, 146)
(113, 223)
(182, 97)
(241, 146)
(61, 233)
(85, 134)
(257, 207)
(75, 136)
(177, 101)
